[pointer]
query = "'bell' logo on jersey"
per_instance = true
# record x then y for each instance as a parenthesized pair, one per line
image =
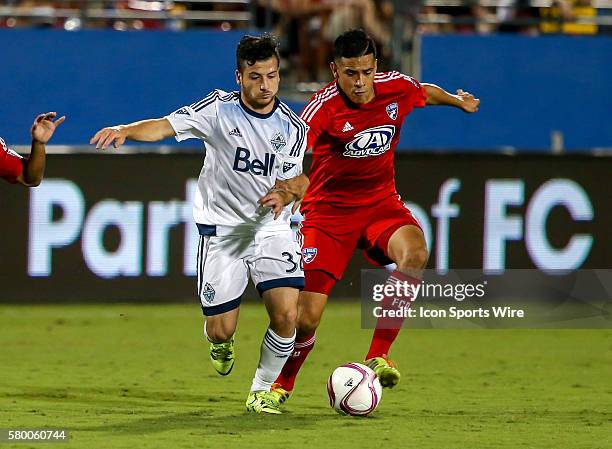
(371, 142)
(243, 163)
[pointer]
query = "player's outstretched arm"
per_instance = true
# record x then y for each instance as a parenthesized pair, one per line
(462, 100)
(151, 130)
(42, 130)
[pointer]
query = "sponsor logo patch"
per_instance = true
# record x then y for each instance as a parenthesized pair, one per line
(371, 142)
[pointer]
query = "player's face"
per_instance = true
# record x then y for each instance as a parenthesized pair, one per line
(356, 77)
(259, 84)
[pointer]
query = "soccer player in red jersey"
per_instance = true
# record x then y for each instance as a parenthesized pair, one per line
(355, 124)
(29, 172)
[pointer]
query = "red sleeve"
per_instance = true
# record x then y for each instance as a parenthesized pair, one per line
(11, 164)
(417, 96)
(314, 115)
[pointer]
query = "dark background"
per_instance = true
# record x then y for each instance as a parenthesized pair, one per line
(149, 177)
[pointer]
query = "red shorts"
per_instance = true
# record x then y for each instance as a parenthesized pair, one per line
(331, 235)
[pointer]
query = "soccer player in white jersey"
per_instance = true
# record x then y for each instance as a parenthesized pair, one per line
(251, 140)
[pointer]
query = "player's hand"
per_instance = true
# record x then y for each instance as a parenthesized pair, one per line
(44, 126)
(296, 205)
(469, 104)
(113, 134)
(295, 186)
(275, 199)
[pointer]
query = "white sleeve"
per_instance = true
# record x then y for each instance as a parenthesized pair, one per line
(290, 164)
(196, 121)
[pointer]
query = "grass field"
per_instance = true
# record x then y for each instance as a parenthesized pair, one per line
(133, 376)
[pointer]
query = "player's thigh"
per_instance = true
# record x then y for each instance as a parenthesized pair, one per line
(222, 276)
(276, 261)
(393, 235)
(326, 248)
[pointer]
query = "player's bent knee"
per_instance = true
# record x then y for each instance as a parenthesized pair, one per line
(414, 258)
(283, 322)
(308, 323)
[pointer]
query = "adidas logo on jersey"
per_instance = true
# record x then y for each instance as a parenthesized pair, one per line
(235, 132)
(347, 127)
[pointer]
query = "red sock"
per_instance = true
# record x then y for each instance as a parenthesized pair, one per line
(303, 346)
(387, 328)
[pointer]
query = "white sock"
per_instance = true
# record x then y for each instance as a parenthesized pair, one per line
(274, 353)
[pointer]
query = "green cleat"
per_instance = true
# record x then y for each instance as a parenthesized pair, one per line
(279, 395)
(262, 402)
(222, 356)
(387, 373)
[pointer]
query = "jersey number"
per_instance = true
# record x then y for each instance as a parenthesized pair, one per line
(294, 265)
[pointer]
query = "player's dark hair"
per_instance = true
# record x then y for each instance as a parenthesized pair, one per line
(353, 44)
(256, 48)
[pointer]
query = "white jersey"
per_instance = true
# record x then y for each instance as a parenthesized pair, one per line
(246, 153)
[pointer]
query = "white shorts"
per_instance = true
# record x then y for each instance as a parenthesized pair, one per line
(271, 259)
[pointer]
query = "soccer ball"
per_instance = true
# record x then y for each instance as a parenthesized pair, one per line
(354, 389)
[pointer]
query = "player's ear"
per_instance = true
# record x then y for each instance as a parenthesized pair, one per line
(238, 77)
(334, 69)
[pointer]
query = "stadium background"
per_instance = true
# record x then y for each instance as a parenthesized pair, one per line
(116, 226)
(542, 120)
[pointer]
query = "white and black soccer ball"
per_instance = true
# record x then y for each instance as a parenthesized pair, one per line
(354, 389)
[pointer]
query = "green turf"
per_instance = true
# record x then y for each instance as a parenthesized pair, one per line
(138, 377)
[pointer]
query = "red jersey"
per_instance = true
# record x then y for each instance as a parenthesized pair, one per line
(353, 145)
(10, 163)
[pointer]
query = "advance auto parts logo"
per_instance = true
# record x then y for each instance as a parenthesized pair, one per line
(371, 142)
